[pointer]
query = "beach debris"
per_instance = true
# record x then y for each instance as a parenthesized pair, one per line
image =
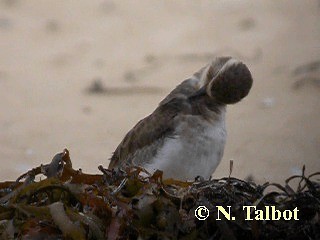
(97, 87)
(307, 74)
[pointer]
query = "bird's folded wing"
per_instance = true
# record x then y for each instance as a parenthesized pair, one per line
(149, 133)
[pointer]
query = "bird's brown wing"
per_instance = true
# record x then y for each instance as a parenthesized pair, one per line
(148, 134)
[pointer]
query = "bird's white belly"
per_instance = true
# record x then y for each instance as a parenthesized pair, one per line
(195, 151)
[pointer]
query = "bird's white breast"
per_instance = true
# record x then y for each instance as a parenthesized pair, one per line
(195, 150)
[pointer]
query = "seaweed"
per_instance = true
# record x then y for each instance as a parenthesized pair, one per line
(134, 204)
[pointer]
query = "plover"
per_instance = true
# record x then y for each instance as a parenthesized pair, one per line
(185, 136)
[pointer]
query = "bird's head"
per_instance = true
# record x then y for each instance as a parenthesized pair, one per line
(225, 80)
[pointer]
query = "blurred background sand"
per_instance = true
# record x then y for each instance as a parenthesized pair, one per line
(131, 54)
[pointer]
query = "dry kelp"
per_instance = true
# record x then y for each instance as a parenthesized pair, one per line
(132, 204)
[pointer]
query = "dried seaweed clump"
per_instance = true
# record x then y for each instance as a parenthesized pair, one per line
(132, 204)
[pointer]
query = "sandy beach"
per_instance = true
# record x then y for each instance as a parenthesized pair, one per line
(80, 74)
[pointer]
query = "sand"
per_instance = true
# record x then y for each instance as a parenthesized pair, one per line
(52, 51)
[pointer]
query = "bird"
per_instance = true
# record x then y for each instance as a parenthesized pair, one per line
(185, 136)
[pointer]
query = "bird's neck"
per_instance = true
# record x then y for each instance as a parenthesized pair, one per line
(208, 109)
